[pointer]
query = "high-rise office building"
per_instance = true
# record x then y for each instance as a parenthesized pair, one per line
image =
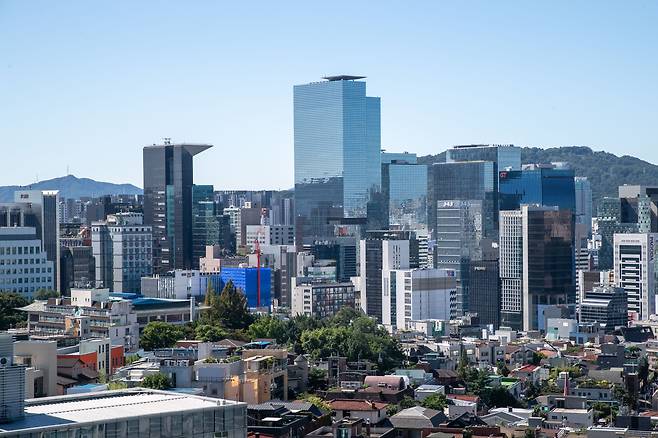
(536, 263)
(511, 268)
(24, 266)
(416, 295)
(343, 251)
(381, 252)
(40, 210)
(634, 265)
(404, 186)
(122, 248)
(168, 181)
(337, 137)
(583, 205)
(460, 240)
(548, 261)
(484, 291)
(472, 180)
(502, 157)
(547, 184)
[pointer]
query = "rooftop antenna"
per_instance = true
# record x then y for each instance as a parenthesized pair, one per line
(67, 170)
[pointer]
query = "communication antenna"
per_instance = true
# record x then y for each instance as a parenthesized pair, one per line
(166, 140)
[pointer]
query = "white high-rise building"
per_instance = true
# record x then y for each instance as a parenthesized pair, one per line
(416, 294)
(511, 267)
(634, 265)
(583, 205)
(24, 267)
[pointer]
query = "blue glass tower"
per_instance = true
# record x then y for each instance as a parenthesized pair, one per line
(337, 145)
(542, 185)
(404, 185)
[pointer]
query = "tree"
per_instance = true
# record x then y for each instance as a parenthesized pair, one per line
(498, 397)
(317, 379)
(44, 294)
(502, 368)
(157, 381)
(602, 411)
(231, 308)
(643, 370)
(529, 433)
(268, 327)
(462, 365)
(435, 401)
(9, 316)
(210, 333)
(116, 385)
(158, 334)
(536, 358)
(316, 401)
(407, 402)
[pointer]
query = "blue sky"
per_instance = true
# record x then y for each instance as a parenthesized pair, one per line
(87, 84)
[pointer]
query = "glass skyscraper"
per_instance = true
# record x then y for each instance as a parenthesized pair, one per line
(168, 181)
(542, 185)
(337, 137)
(468, 181)
(404, 184)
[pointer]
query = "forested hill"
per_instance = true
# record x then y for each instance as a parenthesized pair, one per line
(604, 170)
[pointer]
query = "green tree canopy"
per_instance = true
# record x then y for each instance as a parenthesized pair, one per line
(269, 327)
(210, 333)
(9, 316)
(156, 381)
(159, 334)
(230, 309)
(435, 401)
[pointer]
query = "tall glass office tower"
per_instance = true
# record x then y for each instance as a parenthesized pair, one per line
(337, 145)
(168, 181)
(404, 185)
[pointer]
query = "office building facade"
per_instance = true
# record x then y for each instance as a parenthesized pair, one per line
(24, 265)
(168, 181)
(337, 142)
(634, 267)
(416, 295)
(123, 249)
(583, 190)
(38, 209)
(12, 383)
(321, 300)
(606, 305)
(484, 291)
(404, 186)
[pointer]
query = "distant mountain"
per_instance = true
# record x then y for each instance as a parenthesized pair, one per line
(72, 187)
(605, 171)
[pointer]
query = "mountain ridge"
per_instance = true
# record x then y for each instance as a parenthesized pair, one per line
(70, 186)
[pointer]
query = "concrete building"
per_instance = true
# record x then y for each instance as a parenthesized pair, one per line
(122, 248)
(24, 265)
(12, 383)
(270, 235)
(416, 294)
(634, 267)
(321, 300)
(606, 305)
(38, 209)
(115, 414)
(40, 360)
(180, 284)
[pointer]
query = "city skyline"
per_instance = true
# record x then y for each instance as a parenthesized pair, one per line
(560, 75)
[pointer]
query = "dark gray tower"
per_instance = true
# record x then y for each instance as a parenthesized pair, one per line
(168, 181)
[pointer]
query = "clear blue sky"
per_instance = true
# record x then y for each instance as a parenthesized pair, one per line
(87, 84)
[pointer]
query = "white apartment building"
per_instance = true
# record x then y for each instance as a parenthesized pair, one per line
(416, 294)
(24, 267)
(634, 266)
(270, 235)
